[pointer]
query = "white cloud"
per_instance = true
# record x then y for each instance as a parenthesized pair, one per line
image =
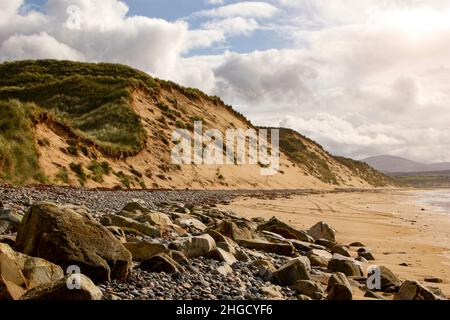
(232, 26)
(38, 46)
(215, 2)
(249, 9)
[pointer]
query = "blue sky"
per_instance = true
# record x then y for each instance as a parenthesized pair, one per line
(362, 77)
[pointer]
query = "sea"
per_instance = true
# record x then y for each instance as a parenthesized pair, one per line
(438, 199)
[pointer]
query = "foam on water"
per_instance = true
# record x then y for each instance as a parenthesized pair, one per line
(438, 199)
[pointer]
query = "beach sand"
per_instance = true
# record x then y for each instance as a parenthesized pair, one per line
(391, 223)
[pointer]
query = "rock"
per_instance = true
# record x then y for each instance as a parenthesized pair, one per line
(339, 288)
(178, 256)
(12, 281)
(272, 292)
(124, 222)
(230, 229)
(413, 290)
(310, 288)
(361, 259)
(118, 233)
(322, 230)
(8, 239)
(196, 246)
(66, 237)
(433, 280)
(161, 263)
(241, 255)
(306, 246)
(346, 265)
(284, 249)
(156, 219)
(374, 295)
(388, 279)
(134, 209)
(325, 243)
(224, 269)
(223, 256)
(143, 250)
(38, 271)
(60, 291)
(227, 247)
(366, 254)
(319, 258)
(340, 249)
(302, 297)
(296, 269)
(9, 220)
(265, 269)
(356, 244)
(277, 226)
(190, 223)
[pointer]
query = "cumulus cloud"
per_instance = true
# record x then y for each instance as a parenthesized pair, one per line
(232, 26)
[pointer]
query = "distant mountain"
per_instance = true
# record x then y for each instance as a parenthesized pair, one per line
(391, 164)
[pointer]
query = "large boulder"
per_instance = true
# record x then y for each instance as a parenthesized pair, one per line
(128, 223)
(285, 249)
(230, 229)
(60, 291)
(277, 226)
(291, 272)
(67, 237)
(339, 287)
(196, 246)
(143, 250)
(413, 290)
(347, 266)
(9, 220)
(161, 263)
(322, 230)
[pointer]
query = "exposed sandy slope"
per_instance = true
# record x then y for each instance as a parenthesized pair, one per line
(154, 162)
(389, 222)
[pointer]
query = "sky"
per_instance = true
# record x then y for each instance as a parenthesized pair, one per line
(361, 77)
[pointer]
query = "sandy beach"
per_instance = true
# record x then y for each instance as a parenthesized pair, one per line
(411, 239)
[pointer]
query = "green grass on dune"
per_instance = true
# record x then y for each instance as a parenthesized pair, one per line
(19, 163)
(91, 99)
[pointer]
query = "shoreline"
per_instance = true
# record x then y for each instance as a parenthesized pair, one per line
(414, 244)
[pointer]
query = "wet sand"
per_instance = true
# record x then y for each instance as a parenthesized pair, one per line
(392, 224)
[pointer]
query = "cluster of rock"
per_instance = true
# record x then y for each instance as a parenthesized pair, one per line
(170, 250)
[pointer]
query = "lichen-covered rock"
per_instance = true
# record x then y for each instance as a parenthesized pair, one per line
(67, 237)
